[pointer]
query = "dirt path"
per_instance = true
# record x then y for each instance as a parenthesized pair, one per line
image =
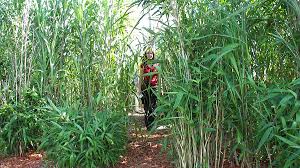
(31, 160)
(143, 151)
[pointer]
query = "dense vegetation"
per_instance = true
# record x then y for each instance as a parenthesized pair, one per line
(64, 79)
(230, 80)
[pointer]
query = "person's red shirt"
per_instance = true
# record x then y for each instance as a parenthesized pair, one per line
(154, 78)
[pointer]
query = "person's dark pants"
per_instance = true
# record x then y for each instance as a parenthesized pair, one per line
(149, 100)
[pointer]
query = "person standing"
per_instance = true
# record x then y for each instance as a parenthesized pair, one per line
(148, 85)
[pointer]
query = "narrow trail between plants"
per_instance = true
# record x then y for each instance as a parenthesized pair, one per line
(143, 150)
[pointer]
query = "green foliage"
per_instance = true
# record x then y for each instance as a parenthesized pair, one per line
(20, 127)
(4, 65)
(69, 50)
(84, 138)
(3, 147)
(279, 123)
(228, 72)
(73, 52)
(227, 77)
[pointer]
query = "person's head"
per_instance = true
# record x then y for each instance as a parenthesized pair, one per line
(149, 54)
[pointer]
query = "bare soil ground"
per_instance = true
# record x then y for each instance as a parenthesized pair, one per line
(30, 160)
(144, 151)
(144, 148)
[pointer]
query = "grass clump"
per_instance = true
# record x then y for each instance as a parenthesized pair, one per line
(20, 128)
(84, 138)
